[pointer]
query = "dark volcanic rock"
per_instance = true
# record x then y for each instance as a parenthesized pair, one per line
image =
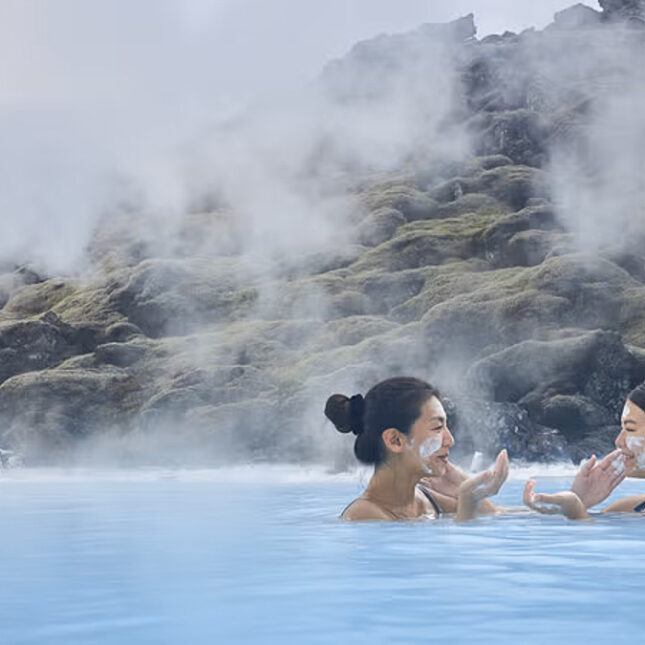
(493, 426)
(379, 226)
(596, 363)
(576, 17)
(169, 297)
(518, 134)
(632, 11)
(39, 344)
(45, 412)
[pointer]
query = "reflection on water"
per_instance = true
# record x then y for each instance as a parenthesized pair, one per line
(198, 559)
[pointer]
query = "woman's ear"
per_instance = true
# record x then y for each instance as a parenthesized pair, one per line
(393, 439)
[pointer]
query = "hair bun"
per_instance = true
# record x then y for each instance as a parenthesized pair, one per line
(356, 413)
(346, 413)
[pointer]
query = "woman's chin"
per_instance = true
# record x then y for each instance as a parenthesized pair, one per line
(436, 468)
(637, 473)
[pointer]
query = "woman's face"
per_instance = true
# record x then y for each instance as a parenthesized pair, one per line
(631, 439)
(430, 439)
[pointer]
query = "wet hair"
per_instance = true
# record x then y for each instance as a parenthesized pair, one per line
(394, 403)
(637, 396)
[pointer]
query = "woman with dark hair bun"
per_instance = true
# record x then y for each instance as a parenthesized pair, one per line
(400, 428)
(597, 479)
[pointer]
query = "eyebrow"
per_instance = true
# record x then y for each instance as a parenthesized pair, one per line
(626, 421)
(438, 419)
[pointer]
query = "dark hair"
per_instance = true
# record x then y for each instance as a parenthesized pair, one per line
(637, 396)
(394, 403)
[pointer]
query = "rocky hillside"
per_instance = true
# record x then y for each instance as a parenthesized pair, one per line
(466, 272)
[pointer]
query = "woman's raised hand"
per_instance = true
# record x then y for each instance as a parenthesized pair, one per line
(567, 503)
(486, 484)
(596, 480)
(448, 484)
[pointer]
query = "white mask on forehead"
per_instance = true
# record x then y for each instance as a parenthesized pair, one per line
(626, 411)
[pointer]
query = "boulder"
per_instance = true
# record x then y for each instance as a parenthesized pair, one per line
(488, 427)
(119, 354)
(379, 226)
(45, 413)
(520, 134)
(595, 363)
(577, 16)
(630, 11)
(408, 201)
(175, 296)
(40, 344)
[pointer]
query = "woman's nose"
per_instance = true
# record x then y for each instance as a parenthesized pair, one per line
(448, 439)
(620, 440)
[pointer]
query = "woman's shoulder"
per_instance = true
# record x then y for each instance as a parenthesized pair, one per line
(362, 510)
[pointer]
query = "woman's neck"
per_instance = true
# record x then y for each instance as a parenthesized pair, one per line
(393, 489)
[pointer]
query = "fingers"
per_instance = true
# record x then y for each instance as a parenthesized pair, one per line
(529, 490)
(477, 481)
(607, 461)
(588, 465)
(477, 488)
(501, 463)
(619, 471)
(500, 473)
(547, 504)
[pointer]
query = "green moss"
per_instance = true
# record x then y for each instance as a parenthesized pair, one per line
(38, 298)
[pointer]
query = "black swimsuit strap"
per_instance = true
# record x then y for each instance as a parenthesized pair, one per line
(640, 508)
(431, 499)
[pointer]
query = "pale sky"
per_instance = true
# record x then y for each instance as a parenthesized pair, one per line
(195, 50)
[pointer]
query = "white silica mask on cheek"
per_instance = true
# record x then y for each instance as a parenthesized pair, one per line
(430, 446)
(635, 444)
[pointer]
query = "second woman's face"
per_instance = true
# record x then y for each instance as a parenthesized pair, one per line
(631, 439)
(430, 438)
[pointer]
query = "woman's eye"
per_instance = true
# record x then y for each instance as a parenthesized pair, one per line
(437, 429)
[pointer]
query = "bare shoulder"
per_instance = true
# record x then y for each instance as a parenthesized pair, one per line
(625, 505)
(362, 510)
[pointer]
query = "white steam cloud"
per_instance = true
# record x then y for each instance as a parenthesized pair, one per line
(598, 180)
(94, 92)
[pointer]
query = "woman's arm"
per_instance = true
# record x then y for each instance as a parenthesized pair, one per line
(625, 505)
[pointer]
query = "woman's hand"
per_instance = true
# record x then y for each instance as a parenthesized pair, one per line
(596, 480)
(448, 484)
(486, 484)
(567, 503)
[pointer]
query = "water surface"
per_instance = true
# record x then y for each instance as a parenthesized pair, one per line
(202, 558)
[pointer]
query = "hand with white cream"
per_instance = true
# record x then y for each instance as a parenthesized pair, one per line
(476, 489)
(596, 480)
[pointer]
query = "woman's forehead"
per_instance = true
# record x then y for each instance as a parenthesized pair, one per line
(632, 411)
(433, 408)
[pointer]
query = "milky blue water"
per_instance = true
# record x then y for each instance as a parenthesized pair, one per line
(202, 560)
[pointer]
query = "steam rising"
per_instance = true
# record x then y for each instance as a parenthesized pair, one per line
(165, 139)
